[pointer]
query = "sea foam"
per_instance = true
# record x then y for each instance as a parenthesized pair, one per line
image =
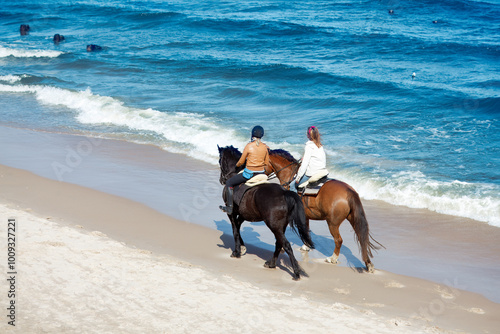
(198, 136)
(415, 190)
(11, 78)
(192, 134)
(24, 53)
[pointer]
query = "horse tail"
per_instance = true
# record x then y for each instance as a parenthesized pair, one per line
(297, 217)
(360, 225)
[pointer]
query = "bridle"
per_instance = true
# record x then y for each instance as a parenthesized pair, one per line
(226, 174)
(286, 183)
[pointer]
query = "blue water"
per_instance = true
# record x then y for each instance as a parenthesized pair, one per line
(188, 76)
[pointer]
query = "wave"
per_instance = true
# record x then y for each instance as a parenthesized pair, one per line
(23, 53)
(198, 136)
(192, 134)
(414, 190)
(12, 78)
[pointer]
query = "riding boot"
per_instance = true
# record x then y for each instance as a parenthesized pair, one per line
(229, 202)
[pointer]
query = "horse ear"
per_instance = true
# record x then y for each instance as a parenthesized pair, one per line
(219, 148)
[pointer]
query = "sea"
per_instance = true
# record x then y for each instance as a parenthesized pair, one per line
(405, 94)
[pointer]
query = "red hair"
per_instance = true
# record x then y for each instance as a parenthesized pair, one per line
(313, 134)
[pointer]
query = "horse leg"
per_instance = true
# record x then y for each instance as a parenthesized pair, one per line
(288, 249)
(369, 266)
(243, 249)
(295, 264)
(278, 247)
(238, 241)
(304, 248)
(334, 230)
(277, 250)
(282, 243)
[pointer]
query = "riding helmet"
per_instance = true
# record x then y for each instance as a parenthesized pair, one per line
(258, 131)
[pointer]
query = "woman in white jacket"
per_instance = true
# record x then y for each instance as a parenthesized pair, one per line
(314, 159)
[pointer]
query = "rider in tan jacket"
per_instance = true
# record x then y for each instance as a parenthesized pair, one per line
(256, 156)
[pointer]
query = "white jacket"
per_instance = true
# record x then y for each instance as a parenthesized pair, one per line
(314, 160)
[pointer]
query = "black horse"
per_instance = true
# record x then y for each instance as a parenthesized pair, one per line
(267, 202)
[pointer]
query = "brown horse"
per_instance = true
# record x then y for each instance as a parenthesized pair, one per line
(335, 202)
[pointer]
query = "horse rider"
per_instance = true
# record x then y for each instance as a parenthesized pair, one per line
(256, 156)
(314, 159)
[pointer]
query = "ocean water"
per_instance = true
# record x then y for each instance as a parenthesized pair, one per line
(188, 76)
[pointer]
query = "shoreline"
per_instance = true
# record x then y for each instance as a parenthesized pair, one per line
(418, 242)
(139, 224)
(392, 300)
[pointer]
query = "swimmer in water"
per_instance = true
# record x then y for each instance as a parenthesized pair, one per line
(24, 29)
(93, 47)
(58, 38)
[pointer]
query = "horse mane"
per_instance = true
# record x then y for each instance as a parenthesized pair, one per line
(232, 152)
(229, 158)
(283, 153)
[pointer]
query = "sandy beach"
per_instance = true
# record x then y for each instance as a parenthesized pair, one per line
(91, 259)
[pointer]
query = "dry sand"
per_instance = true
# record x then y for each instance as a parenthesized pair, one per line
(156, 274)
(73, 281)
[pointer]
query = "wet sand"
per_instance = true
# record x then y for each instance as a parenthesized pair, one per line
(124, 191)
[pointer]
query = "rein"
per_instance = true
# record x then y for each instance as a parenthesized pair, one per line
(277, 171)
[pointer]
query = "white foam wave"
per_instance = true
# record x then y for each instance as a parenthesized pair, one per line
(188, 133)
(12, 78)
(198, 136)
(413, 189)
(23, 53)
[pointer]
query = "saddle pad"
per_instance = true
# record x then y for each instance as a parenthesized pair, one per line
(315, 178)
(256, 180)
(313, 189)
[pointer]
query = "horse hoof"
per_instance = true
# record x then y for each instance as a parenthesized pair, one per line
(268, 265)
(370, 268)
(331, 260)
(235, 255)
(304, 248)
(296, 278)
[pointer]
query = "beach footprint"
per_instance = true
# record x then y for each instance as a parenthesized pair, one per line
(394, 284)
(445, 292)
(99, 234)
(475, 310)
(342, 291)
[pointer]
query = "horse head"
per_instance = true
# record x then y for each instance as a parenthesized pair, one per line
(284, 165)
(228, 157)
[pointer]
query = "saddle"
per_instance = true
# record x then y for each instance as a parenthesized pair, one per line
(241, 189)
(312, 186)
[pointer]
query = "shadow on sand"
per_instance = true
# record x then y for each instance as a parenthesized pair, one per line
(325, 246)
(254, 245)
(264, 250)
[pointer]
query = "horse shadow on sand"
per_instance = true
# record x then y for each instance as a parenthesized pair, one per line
(254, 245)
(326, 245)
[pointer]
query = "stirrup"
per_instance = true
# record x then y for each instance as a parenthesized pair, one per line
(226, 209)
